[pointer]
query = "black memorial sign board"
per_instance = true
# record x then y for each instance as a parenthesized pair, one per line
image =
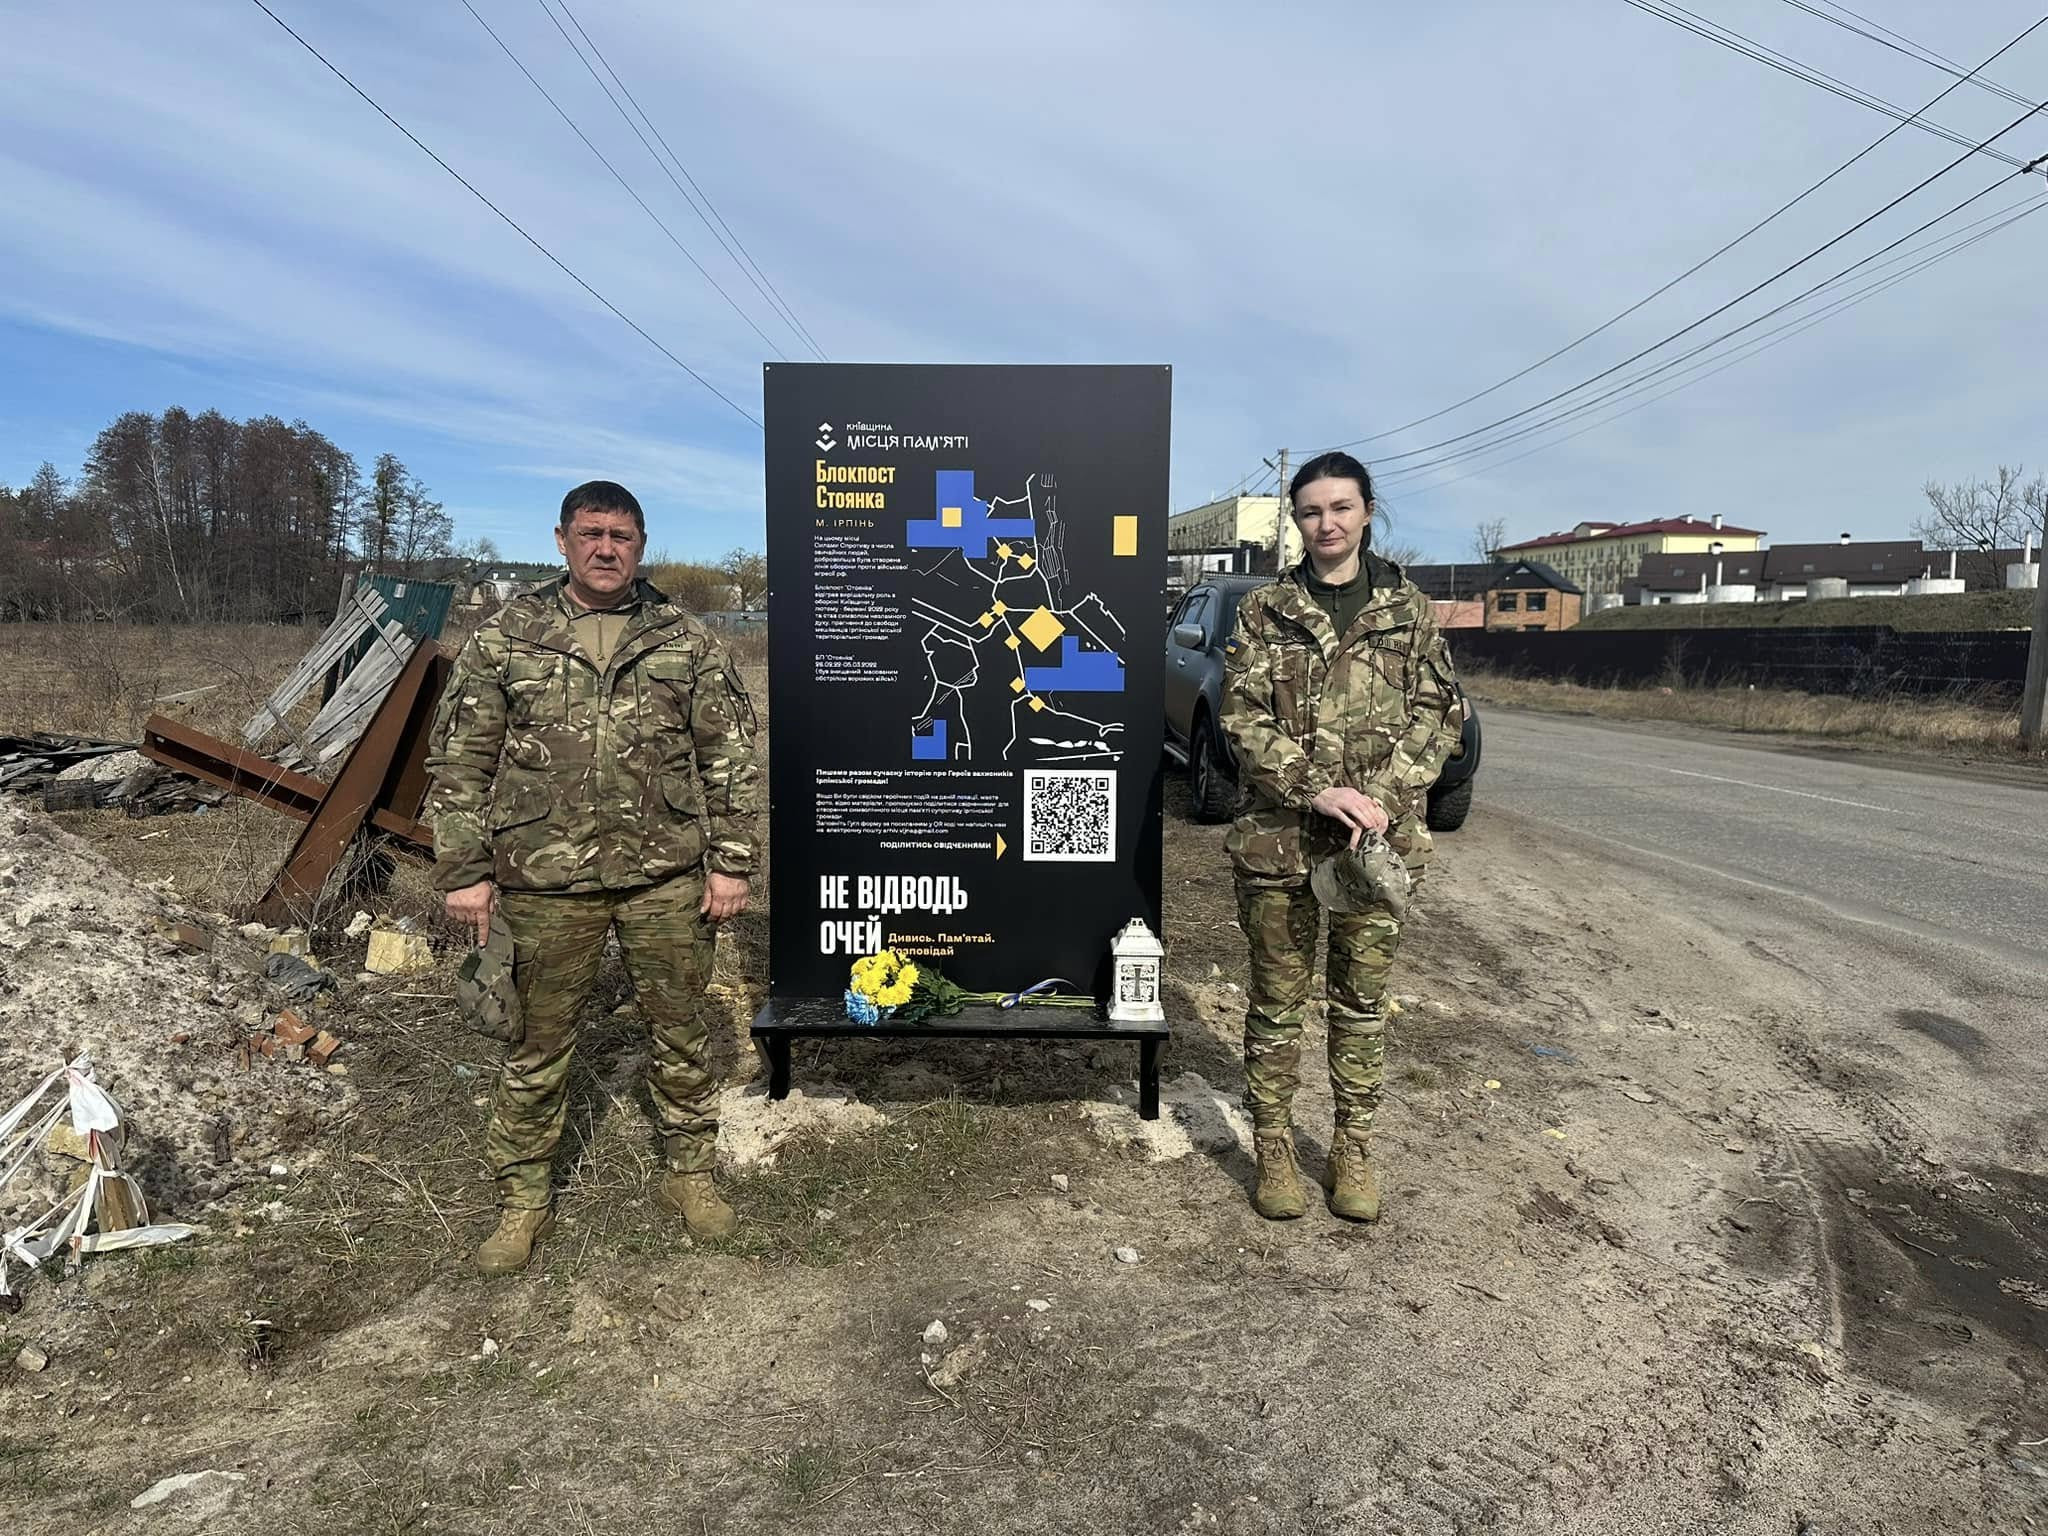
(967, 569)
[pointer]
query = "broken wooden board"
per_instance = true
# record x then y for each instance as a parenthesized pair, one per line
(364, 612)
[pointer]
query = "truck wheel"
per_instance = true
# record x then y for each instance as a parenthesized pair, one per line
(1209, 786)
(1448, 810)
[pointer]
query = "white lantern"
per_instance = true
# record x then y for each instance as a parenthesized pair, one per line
(1135, 959)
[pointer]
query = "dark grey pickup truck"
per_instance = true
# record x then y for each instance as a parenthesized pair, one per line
(1201, 623)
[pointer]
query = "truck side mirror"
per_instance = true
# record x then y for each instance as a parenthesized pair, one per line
(1189, 636)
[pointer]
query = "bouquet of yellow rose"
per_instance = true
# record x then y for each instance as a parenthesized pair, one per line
(887, 985)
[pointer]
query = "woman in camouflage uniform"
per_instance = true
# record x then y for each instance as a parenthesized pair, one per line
(1340, 706)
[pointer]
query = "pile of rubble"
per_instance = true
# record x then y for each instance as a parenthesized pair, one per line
(79, 773)
(216, 1076)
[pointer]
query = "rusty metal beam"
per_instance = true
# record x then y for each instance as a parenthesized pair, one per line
(297, 795)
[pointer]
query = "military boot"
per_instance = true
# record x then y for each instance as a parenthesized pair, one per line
(1354, 1187)
(695, 1198)
(1277, 1196)
(508, 1248)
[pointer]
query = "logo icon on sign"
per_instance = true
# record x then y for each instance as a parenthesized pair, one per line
(825, 438)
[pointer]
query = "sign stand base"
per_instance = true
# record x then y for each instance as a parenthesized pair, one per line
(782, 1020)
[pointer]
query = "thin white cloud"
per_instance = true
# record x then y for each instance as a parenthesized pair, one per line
(1330, 219)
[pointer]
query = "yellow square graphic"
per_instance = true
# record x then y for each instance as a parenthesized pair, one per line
(1003, 550)
(1016, 685)
(1002, 607)
(986, 621)
(1042, 629)
(1012, 642)
(1026, 561)
(949, 517)
(1123, 536)
(1036, 702)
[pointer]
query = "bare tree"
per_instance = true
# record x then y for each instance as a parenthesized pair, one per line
(698, 587)
(747, 570)
(1403, 554)
(1488, 537)
(402, 527)
(1980, 518)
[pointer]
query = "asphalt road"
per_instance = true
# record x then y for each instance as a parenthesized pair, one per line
(1915, 852)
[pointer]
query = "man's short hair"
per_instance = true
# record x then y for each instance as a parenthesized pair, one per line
(603, 496)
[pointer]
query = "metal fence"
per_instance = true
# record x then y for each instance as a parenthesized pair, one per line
(740, 620)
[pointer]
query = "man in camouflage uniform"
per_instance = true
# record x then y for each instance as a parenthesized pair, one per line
(1340, 706)
(593, 769)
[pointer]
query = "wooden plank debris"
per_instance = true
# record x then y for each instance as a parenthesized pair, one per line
(364, 611)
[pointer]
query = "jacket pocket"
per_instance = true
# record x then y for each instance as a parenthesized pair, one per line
(532, 687)
(683, 792)
(1393, 657)
(516, 800)
(674, 837)
(1294, 691)
(1268, 843)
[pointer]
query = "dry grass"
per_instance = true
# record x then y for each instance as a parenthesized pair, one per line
(106, 679)
(1934, 611)
(1895, 722)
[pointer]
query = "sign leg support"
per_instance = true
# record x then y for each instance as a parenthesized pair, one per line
(778, 1065)
(1148, 1078)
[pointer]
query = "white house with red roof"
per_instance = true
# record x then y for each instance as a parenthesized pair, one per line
(1605, 557)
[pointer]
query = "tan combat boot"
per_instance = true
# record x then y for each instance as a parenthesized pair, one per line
(1277, 1196)
(1354, 1187)
(695, 1198)
(507, 1249)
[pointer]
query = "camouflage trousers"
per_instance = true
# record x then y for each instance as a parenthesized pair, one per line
(1280, 925)
(557, 942)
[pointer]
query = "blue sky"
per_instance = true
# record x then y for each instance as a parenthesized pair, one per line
(1329, 218)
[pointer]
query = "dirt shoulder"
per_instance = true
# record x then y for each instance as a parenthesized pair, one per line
(1655, 1259)
(1964, 740)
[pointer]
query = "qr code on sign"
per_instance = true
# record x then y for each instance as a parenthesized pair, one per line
(1070, 815)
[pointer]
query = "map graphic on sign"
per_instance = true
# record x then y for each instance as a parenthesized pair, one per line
(1021, 668)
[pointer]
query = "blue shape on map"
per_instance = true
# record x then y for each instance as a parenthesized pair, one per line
(977, 529)
(1079, 671)
(929, 748)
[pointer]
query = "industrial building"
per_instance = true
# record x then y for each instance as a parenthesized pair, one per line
(1234, 533)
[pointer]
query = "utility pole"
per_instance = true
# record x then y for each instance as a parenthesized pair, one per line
(1280, 521)
(2037, 663)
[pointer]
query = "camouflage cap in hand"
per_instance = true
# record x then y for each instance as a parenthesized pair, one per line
(1370, 875)
(485, 989)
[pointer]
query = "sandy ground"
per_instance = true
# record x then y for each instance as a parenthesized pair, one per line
(89, 963)
(1676, 1241)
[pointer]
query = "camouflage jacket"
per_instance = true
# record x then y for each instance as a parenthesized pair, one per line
(1306, 708)
(553, 774)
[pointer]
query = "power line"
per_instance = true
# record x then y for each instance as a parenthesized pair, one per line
(1708, 366)
(1730, 304)
(1729, 38)
(1774, 337)
(773, 293)
(1723, 365)
(1259, 472)
(621, 180)
(1897, 42)
(470, 188)
(1712, 256)
(1584, 405)
(783, 311)
(1956, 240)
